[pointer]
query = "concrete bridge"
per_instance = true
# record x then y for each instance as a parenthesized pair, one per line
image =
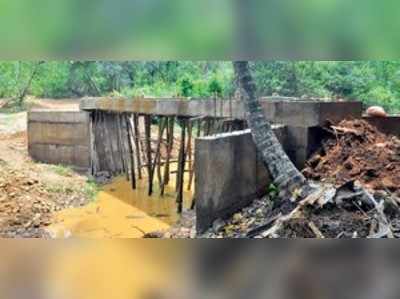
(228, 173)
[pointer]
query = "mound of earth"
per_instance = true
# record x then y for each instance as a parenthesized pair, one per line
(358, 151)
(31, 192)
(356, 175)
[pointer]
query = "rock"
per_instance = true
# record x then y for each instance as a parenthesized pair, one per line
(376, 111)
(260, 213)
(236, 218)
(218, 225)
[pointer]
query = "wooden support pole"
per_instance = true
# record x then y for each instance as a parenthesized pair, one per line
(189, 153)
(181, 167)
(143, 141)
(191, 173)
(181, 150)
(161, 127)
(129, 133)
(198, 128)
(170, 144)
(193, 205)
(109, 148)
(121, 145)
(147, 129)
(207, 131)
(101, 141)
(137, 144)
(230, 107)
(113, 136)
(157, 158)
(94, 155)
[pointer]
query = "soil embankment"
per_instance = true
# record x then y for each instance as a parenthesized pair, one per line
(31, 192)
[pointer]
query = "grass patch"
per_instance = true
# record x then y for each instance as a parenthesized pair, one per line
(91, 189)
(62, 170)
(58, 189)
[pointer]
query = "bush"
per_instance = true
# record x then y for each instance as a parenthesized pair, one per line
(382, 97)
(186, 87)
(215, 87)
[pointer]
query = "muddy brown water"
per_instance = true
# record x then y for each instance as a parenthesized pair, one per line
(120, 212)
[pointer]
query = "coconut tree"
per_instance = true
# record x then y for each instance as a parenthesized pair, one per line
(285, 175)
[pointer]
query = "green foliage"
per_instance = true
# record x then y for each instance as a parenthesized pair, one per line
(215, 87)
(272, 191)
(373, 82)
(62, 170)
(91, 189)
(186, 87)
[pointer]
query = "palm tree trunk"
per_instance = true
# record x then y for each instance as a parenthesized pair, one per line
(283, 172)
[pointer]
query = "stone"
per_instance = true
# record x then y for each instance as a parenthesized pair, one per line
(237, 217)
(218, 225)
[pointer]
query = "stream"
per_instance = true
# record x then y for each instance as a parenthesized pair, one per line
(120, 212)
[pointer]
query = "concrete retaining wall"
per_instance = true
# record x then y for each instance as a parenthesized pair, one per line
(59, 137)
(229, 174)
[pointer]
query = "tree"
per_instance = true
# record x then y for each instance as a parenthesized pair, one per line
(23, 92)
(284, 174)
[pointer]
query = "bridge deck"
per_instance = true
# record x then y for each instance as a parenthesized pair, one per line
(289, 111)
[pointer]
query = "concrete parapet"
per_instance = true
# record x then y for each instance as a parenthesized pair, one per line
(59, 137)
(229, 174)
